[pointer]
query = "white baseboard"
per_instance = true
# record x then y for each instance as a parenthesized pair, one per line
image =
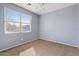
(33, 40)
(17, 45)
(60, 43)
(78, 47)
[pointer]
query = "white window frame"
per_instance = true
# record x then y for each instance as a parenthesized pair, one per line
(17, 22)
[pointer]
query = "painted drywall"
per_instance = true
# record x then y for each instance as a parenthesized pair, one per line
(78, 26)
(60, 26)
(11, 40)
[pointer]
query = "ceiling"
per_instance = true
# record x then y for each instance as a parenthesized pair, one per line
(43, 8)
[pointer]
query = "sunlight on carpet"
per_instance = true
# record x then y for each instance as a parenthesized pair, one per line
(28, 52)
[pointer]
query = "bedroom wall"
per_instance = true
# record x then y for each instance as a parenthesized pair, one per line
(14, 39)
(60, 26)
(78, 26)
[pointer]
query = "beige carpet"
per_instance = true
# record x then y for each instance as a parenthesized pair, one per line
(41, 48)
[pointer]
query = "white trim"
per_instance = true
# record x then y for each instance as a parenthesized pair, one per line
(31, 41)
(78, 47)
(60, 42)
(17, 45)
(18, 31)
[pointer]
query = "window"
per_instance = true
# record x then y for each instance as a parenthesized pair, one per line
(16, 22)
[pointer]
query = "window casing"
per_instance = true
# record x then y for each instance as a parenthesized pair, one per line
(16, 22)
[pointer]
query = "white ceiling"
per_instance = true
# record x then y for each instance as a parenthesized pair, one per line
(42, 8)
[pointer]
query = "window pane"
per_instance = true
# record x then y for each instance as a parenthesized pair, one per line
(11, 15)
(25, 23)
(25, 27)
(12, 27)
(16, 22)
(26, 19)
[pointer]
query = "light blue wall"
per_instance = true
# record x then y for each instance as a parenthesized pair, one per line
(60, 26)
(78, 26)
(11, 40)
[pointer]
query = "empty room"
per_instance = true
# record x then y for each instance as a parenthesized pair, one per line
(39, 29)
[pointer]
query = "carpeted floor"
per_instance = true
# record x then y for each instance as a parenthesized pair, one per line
(41, 48)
